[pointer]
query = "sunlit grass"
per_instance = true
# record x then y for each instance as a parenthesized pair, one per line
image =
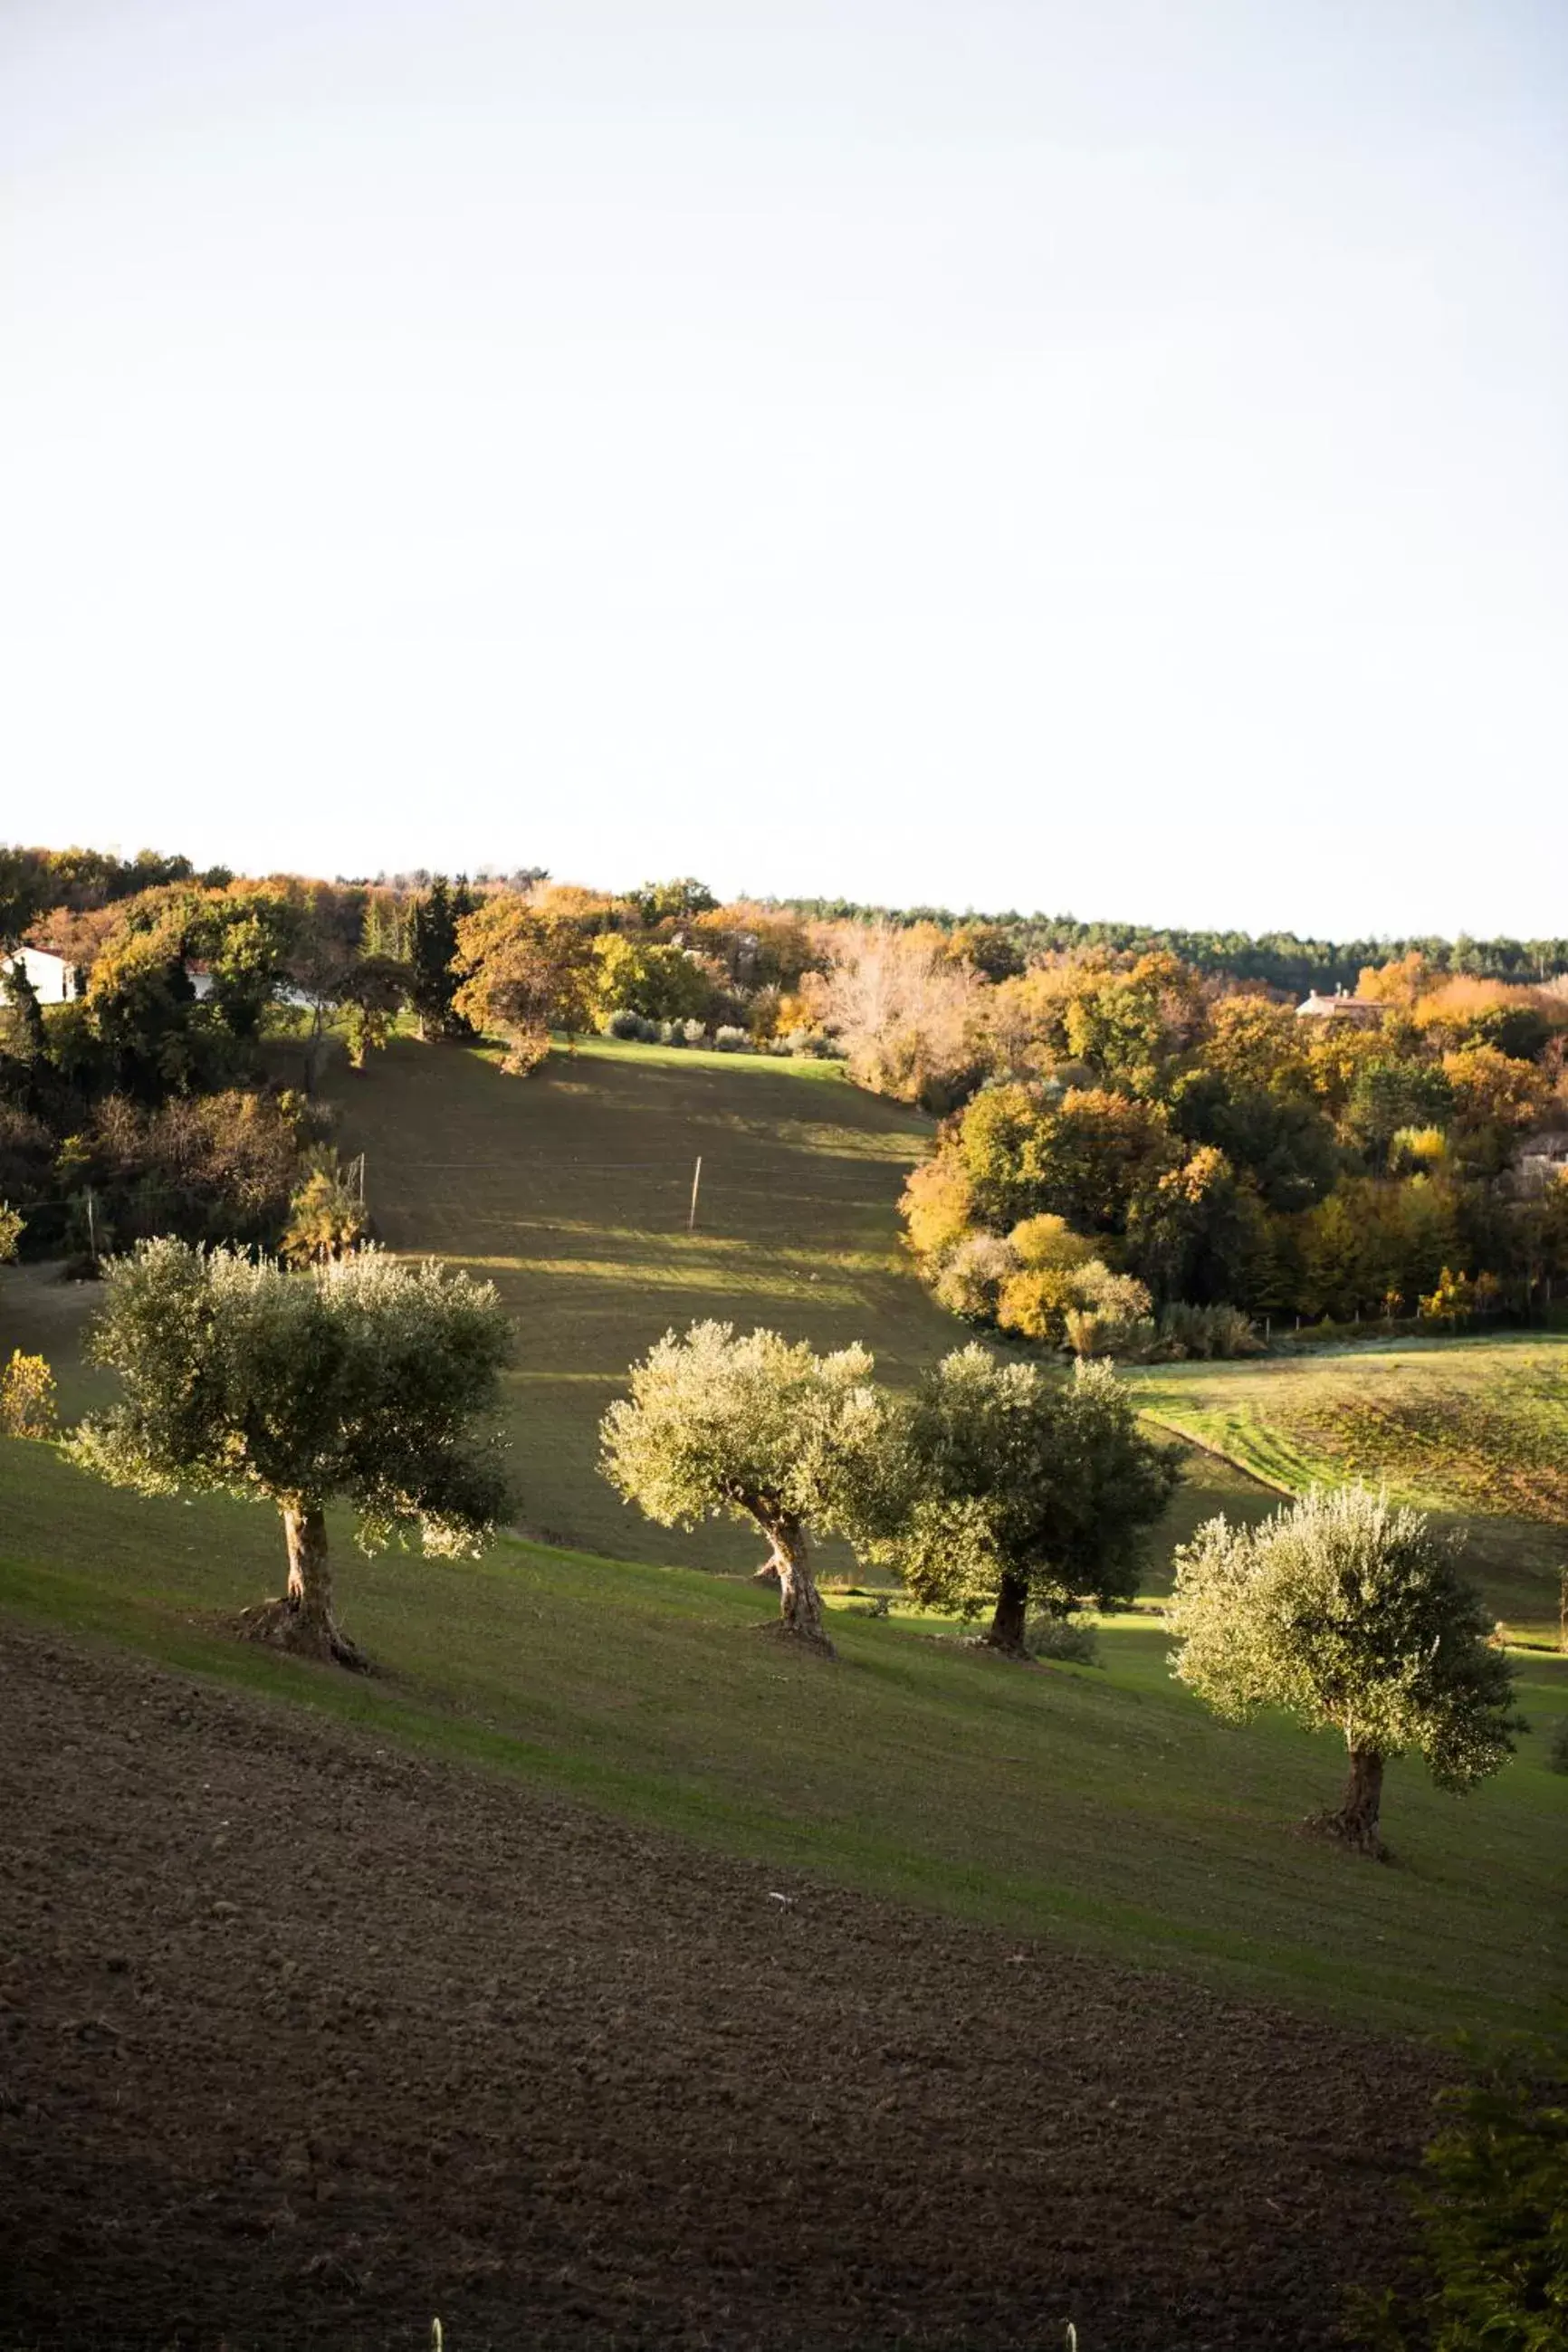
(1476, 1431)
(1098, 1804)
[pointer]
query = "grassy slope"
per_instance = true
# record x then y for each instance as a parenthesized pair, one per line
(572, 1190)
(1102, 1804)
(1447, 1425)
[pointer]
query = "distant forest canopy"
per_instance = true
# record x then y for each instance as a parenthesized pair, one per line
(35, 882)
(1272, 959)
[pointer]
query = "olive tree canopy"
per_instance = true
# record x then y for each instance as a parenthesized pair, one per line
(1347, 1612)
(1022, 1490)
(363, 1381)
(758, 1428)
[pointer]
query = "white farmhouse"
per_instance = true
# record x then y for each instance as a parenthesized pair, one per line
(53, 980)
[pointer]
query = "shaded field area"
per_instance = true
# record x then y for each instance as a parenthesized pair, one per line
(1473, 1430)
(309, 2039)
(572, 1190)
(1101, 1806)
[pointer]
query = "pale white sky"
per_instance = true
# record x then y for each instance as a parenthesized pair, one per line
(1108, 457)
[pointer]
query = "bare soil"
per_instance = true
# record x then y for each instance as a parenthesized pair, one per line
(303, 2040)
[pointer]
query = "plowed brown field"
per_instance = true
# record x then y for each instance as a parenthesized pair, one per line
(307, 2042)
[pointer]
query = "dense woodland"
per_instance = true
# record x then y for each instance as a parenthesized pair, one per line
(1273, 959)
(1144, 1138)
(1142, 1150)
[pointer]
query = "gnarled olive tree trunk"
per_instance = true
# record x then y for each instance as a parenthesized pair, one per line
(1355, 1824)
(301, 1621)
(1006, 1628)
(800, 1603)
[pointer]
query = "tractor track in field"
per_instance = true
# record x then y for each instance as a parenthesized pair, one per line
(306, 2040)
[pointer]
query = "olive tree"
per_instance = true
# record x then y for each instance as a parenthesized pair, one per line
(1350, 1614)
(362, 1381)
(759, 1429)
(1021, 1490)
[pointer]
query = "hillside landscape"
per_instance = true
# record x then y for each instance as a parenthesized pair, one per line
(586, 1726)
(542, 1653)
(783, 1177)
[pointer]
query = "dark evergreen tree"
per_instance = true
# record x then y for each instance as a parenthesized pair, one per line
(432, 946)
(22, 1032)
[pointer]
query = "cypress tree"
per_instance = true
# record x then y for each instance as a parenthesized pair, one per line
(434, 943)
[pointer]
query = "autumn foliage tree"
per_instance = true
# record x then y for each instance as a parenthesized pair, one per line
(375, 992)
(907, 1017)
(524, 973)
(1082, 1155)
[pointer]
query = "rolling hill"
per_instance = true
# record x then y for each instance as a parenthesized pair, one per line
(1096, 1804)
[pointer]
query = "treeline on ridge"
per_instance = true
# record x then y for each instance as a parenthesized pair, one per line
(1138, 1154)
(1274, 958)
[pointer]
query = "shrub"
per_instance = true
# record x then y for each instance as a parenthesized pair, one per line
(26, 1169)
(1120, 1297)
(1207, 1331)
(1134, 1340)
(763, 1016)
(27, 1397)
(208, 1168)
(1557, 1747)
(672, 1033)
(694, 1032)
(1039, 1300)
(1452, 1302)
(1070, 1641)
(971, 1279)
(728, 1039)
(326, 1215)
(1048, 1244)
(1418, 1148)
(624, 1024)
(526, 1050)
(1034, 1302)
(938, 1210)
(1493, 2267)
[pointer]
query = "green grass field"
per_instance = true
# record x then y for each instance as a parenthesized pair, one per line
(1475, 1430)
(572, 1190)
(1098, 1804)
(1102, 1804)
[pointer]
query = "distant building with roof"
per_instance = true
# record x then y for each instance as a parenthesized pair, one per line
(1340, 1007)
(55, 982)
(1542, 1161)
